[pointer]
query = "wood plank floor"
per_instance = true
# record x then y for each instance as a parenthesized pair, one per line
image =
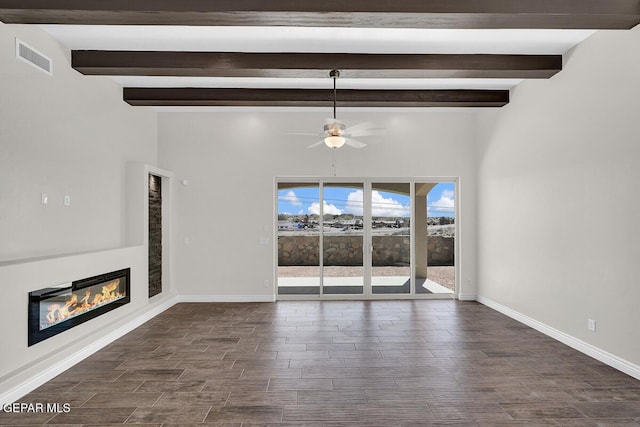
(334, 364)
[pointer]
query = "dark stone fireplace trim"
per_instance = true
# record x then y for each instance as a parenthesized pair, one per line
(36, 335)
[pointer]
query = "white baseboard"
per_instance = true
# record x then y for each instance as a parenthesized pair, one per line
(582, 346)
(467, 297)
(226, 298)
(55, 368)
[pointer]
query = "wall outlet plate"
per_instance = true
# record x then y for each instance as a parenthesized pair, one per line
(591, 325)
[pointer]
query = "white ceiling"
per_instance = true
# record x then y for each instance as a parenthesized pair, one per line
(308, 83)
(323, 40)
(315, 39)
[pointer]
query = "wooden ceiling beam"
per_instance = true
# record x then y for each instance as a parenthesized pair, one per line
(557, 14)
(224, 97)
(313, 65)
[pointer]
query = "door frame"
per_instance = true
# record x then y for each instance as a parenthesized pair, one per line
(367, 241)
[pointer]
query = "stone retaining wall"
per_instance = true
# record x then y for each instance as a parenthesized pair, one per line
(347, 251)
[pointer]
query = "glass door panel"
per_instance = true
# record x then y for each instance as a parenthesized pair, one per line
(435, 237)
(298, 239)
(391, 238)
(342, 239)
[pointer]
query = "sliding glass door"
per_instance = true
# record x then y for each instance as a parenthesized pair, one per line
(435, 235)
(343, 239)
(365, 238)
(298, 269)
(391, 238)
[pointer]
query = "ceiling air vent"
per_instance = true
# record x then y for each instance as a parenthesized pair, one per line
(33, 57)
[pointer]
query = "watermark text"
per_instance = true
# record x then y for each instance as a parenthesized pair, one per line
(35, 407)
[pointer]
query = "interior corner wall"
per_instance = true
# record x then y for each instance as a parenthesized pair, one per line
(558, 199)
(65, 134)
(230, 159)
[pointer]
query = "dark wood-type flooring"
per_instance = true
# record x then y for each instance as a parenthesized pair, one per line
(338, 363)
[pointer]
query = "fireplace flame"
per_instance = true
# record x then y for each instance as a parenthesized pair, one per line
(74, 306)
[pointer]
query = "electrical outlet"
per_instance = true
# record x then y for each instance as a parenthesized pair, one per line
(67, 200)
(266, 283)
(44, 198)
(591, 325)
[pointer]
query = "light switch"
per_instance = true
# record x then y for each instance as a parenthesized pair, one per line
(67, 200)
(44, 198)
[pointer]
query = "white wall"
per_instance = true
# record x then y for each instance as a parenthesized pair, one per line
(231, 158)
(558, 199)
(65, 134)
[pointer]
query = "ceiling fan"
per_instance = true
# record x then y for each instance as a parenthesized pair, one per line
(335, 133)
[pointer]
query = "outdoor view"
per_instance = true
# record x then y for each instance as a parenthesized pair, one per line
(340, 238)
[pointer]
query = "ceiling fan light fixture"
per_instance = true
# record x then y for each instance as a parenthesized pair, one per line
(335, 141)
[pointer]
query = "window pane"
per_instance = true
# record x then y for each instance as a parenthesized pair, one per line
(343, 238)
(298, 239)
(435, 237)
(391, 238)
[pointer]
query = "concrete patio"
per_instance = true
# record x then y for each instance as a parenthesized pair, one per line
(441, 280)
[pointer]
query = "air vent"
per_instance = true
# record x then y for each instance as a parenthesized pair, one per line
(33, 57)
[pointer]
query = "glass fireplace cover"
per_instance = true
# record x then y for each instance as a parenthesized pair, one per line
(54, 310)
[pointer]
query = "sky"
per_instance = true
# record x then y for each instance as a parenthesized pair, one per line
(338, 200)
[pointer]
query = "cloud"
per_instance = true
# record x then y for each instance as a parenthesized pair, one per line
(445, 205)
(380, 205)
(354, 203)
(291, 197)
(448, 194)
(387, 207)
(327, 209)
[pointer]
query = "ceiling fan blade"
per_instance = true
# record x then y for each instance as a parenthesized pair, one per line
(366, 132)
(355, 144)
(369, 132)
(315, 144)
(364, 126)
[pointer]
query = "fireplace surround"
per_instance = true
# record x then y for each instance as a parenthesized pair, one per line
(56, 309)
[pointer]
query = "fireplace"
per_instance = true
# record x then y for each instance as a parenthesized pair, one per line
(56, 309)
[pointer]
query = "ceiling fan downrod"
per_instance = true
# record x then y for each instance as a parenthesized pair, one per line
(334, 74)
